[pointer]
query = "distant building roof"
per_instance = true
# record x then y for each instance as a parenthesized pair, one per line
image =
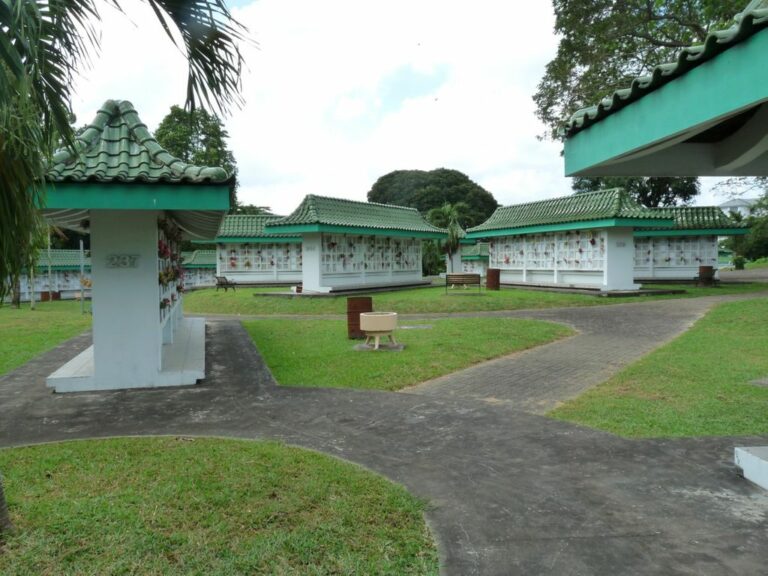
(323, 214)
(753, 19)
(709, 220)
(603, 208)
(62, 259)
(250, 228)
(199, 259)
(739, 203)
(477, 251)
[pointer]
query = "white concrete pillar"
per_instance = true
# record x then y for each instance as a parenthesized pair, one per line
(311, 266)
(619, 260)
(126, 303)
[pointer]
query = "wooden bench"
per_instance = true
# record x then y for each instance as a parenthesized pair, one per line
(224, 282)
(462, 280)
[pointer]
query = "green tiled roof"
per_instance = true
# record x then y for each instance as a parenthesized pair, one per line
(249, 226)
(699, 218)
(753, 19)
(62, 259)
(693, 220)
(117, 147)
(477, 251)
(589, 206)
(199, 259)
(321, 213)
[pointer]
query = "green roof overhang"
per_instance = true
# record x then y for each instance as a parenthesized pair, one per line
(116, 196)
(585, 225)
(475, 257)
(648, 137)
(334, 229)
(257, 240)
(702, 232)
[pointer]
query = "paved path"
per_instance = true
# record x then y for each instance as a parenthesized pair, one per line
(609, 338)
(510, 492)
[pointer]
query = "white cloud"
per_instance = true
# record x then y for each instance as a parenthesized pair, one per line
(341, 92)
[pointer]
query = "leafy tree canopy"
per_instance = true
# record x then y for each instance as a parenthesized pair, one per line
(754, 244)
(425, 190)
(198, 137)
(604, 44)
(44, 43)
(651, 192)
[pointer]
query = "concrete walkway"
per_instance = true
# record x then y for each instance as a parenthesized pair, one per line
(609, 338)
(510, 492)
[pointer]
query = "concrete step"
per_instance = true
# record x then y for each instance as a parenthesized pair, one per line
(753, 461)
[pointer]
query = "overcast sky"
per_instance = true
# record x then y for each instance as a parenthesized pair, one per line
(341, 92)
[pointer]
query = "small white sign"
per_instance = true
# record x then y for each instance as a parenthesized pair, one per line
(122, 261)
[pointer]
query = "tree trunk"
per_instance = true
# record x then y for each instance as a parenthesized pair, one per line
(16, 297)
(5, 518)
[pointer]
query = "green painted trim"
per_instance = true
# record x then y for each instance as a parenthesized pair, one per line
(703, 232)
(585, 225)
(734, 80)
(113, 196)
(75, 268)
(474, 257)
(309, 228)
(256, 240)
(190, 266)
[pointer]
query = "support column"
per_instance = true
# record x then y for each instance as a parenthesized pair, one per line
(619, 260)
(126, 331)
(311, 265)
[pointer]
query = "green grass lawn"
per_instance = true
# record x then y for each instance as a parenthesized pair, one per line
(250, 301)
(172, 506)
(697, 385)
(26, 333)
(759, 263)
(318, 353)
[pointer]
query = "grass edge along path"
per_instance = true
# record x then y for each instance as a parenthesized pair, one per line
(317, 353)
(700, 384)
(170, 506)
(258, 302)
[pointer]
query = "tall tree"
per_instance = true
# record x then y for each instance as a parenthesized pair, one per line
(447, 216)
(43, 44)
(198, 137)
(605, 44)
(426, 190)
(651, 191)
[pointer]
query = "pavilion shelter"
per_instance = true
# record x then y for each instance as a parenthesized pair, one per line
(57, 276)
(578, 241)
(138, 202)
(350, 245)
(474, 258)
(678, 252)
(199, 268)
(706, 114)
(248, 254)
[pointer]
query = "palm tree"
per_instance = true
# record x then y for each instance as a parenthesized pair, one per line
(42, 45)
(448, 216)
